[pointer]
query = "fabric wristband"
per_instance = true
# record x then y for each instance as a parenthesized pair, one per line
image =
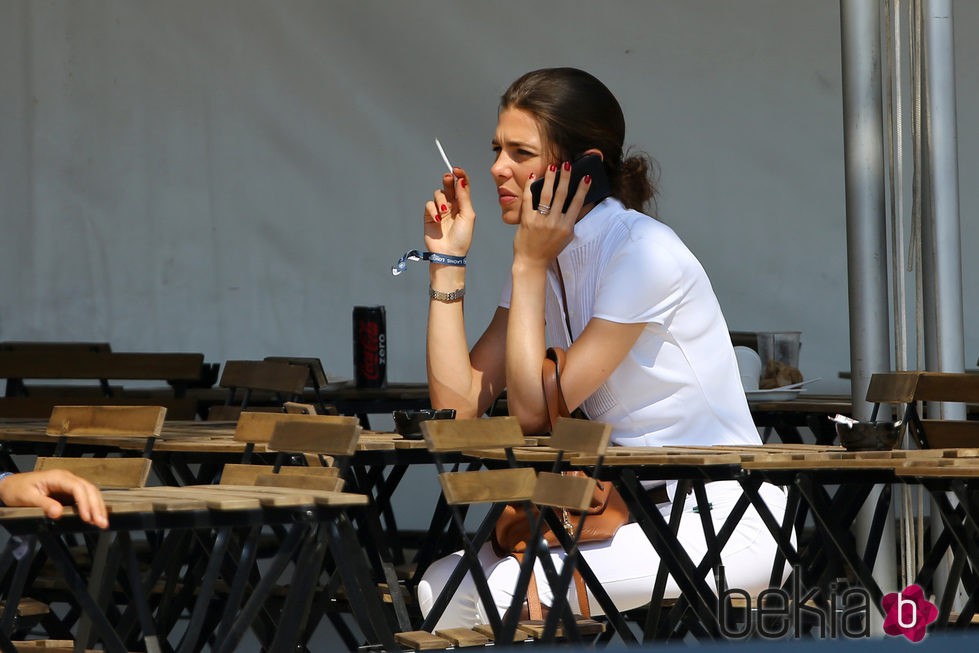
(431, 257)
(3, 476)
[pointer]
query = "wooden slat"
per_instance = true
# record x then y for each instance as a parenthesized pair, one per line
(522, 454)
(939, 462)
(56, 346)
(157, 502)
(559, 491)
(459, 434)
(535, 628)
(580, 435)
(488, 485)
(463, 637)
(26, 364)
(945, 434)
(213, 497)
(273, 376)
(22, 513)
(142, 421)
(659, 459)
(102, 472)
(487, 629)
(299, 408)
(40, 406)
(824, 462)
(259, 426)
(319, 472)
(49, 646)
(905, 387)
(223, 413)
(939, 471)
(243, 474)
(408, 444)
(272, 496)
(301, 481)
(375, 445)
(420, 640)
(892, 387)
(332, 435)
(958, 452)
(28, 607)
(125, 506)
(317, 377)
(948, 386)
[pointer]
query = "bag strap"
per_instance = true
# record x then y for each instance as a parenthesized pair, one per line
(582, 592)
(551, 379)
(535, 609)
(564, 300)
(557, 407)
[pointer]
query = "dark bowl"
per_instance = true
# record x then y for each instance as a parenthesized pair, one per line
(869, 436)
(408, 422)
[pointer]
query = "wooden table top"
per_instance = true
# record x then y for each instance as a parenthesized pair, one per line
(169, 499)
(192, 436)
(218, 437)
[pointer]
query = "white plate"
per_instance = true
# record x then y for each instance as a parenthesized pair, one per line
(772, 395)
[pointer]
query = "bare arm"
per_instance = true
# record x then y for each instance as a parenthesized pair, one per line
(596, 352)
(591, 359)
(460, 379)
(457, 378)
(594, 356)
(44, 489)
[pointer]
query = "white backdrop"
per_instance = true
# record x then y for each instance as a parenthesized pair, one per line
(232, 177)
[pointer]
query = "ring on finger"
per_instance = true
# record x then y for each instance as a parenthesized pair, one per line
(543, 209)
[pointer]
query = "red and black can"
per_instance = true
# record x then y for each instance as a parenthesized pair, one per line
(370, 347)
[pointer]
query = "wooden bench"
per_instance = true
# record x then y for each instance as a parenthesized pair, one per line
(284, 381)
(86, 376)
(910, 387)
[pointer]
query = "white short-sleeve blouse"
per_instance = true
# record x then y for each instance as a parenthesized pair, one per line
(679, 384)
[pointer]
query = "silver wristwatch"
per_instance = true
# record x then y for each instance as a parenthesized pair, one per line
(447, 297)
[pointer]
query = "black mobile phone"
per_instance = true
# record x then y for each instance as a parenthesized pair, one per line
(589, 164)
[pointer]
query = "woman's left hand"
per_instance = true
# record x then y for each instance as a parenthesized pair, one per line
(545, 231)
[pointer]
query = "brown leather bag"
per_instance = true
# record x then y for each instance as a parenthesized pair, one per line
(607, 512)
(604, 516)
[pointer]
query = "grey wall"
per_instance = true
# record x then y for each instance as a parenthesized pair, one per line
(233, 177)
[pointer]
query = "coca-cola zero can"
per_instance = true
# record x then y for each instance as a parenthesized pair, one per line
(370, 347)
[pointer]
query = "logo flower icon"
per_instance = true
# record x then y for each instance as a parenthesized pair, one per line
(908, 613)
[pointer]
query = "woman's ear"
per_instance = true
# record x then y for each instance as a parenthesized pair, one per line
(594, 151)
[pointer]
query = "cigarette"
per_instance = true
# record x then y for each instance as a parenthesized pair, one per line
(444, 158)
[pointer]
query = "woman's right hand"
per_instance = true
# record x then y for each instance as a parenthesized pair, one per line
(449, 216)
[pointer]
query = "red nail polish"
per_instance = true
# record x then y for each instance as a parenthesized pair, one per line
(552, 167)
(532, 175)
(443, 208)
(438, 218)
(463, 182)
(567, 166)
(587, 179)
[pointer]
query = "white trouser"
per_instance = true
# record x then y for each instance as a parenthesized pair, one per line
(626, 565)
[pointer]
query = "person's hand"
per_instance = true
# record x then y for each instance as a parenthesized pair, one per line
(449, 216)
(47, 490)
(545, 231)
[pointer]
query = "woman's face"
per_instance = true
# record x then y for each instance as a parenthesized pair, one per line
(519, 151)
